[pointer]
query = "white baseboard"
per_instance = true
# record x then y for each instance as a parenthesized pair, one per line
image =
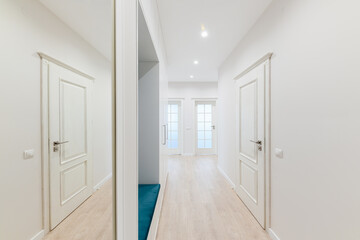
(272, 234)
(157, 213)
(188, 154)
(38, 236)
(226, 177)
(102, 182)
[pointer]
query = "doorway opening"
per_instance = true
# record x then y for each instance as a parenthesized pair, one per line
(152, 133)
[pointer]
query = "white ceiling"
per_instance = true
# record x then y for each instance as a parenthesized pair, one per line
(91, 19)
(227, 21)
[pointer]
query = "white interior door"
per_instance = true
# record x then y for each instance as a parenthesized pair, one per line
(174, 127)
(70, 152)
(250, 105)
(206, 137)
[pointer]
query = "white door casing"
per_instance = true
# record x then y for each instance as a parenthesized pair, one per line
(70, 147)
(205, 127)
(250, 139)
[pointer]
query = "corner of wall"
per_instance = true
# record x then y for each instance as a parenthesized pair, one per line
(232, 184)
(272, 234)
(40, 235)
(102, 182)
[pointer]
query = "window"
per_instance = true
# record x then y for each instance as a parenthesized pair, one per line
(173, 125)
(204, 126)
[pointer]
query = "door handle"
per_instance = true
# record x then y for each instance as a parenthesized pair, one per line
(164, 134)
(56, 145)
(258, 143)
(59, 143)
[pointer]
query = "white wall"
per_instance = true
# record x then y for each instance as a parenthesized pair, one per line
(27, 27)
(187, 92)
(149, 128)
(315, 115)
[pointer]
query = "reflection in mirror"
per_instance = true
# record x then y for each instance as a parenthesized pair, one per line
(62, 50)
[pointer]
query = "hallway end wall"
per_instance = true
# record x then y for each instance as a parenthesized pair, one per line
(187, 92)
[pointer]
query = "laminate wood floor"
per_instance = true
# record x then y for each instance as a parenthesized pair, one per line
(91, 221)
(199, 204)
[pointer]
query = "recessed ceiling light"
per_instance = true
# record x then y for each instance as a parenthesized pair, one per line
(196, 62)
(204, 33)
(191, 76)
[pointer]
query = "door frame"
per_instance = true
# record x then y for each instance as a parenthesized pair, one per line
(126, 118)
(45, 144)
(195, 101)
(181, 125)
(266, 60)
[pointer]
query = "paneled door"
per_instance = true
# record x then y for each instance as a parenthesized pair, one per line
(70, 152)
(206, 127)
(174, 127)
(250, 137)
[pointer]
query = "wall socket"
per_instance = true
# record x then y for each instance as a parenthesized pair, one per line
(29, 153)
(279, 153)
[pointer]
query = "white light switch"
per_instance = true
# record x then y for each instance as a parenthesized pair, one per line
(279, 153)
(29, 153)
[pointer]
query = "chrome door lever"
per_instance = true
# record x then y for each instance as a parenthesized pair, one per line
(56, 145)
(256, 142)
(59, 143)
(259, 144)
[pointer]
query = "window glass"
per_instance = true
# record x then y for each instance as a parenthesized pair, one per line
(204, 126)
(173, 125)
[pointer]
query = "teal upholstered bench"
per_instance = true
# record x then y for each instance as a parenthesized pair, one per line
(148, 195)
